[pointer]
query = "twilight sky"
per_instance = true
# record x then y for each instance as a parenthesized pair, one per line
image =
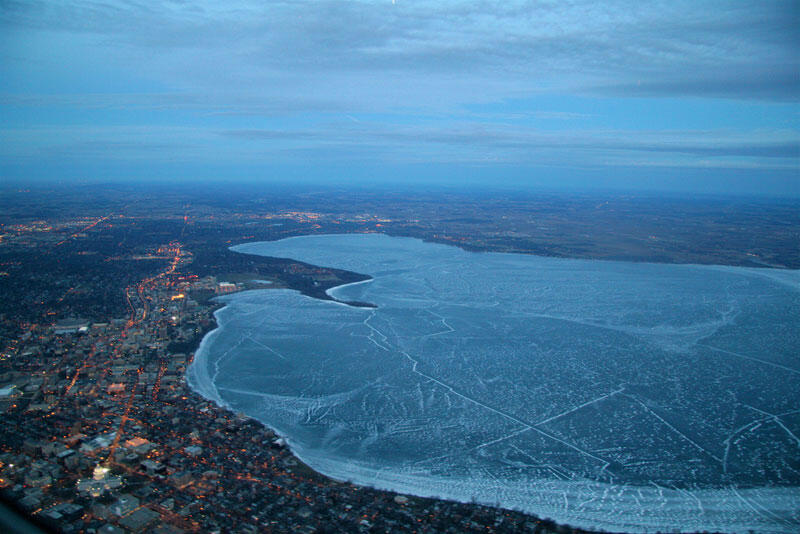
(684, 96)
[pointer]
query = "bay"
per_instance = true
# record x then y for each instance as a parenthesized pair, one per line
(614, 395)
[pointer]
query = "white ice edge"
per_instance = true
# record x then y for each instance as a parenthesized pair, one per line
(331, 291)
(553, 495)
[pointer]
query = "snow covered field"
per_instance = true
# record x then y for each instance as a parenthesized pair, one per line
(613, 395)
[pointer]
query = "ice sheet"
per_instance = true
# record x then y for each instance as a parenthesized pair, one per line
(636, 397)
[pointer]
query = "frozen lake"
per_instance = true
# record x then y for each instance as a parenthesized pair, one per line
(622, 396)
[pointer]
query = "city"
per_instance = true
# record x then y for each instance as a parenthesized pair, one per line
(100, 429)
(344, 266)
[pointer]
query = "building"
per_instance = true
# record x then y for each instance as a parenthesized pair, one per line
(225, 287)
(71, 326)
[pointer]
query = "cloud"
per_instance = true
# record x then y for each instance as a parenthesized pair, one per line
(621, 47)
(747, 82)
(559, 115)
(557, 83)
(462, 143)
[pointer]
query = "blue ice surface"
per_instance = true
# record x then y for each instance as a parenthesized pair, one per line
(614, 395)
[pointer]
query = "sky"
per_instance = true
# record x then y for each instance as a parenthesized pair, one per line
(686, 96)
